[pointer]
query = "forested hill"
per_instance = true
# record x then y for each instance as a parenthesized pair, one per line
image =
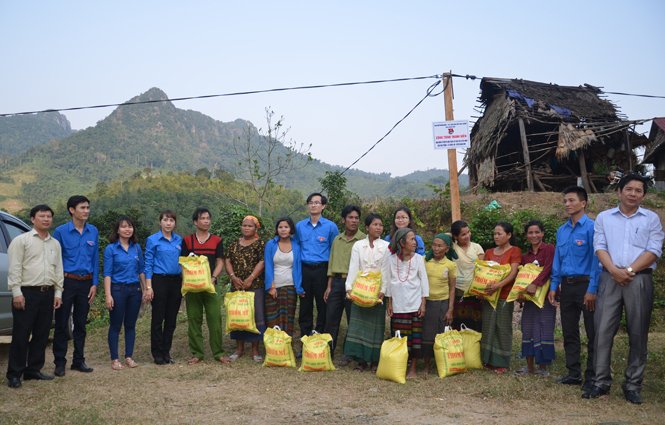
(20, 133)
(160, 136)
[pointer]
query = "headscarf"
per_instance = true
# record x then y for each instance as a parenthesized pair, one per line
(451, 254)
(395, 246)
(255, 221)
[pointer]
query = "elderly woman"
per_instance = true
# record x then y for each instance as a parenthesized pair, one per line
(244, 263)
(407, 289)
(441, 274)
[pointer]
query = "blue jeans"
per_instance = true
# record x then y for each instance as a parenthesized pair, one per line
(126, 305)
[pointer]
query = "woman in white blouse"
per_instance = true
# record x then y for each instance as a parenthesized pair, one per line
(367, 327)
(407, 290)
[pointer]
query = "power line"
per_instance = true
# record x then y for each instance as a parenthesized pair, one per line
(208, 96)
(636, 95)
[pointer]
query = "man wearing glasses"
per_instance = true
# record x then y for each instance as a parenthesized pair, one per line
(315, 236)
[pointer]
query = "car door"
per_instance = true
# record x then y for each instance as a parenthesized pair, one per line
(9, 229)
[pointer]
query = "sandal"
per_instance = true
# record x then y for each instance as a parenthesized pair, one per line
(360, 367)
(522, 372)
(130, 362)
(116, 365)
(225, 360)
(233, 357)
(374, 366)
(193, 360)
(500, 370)
(257, 359)
(541, 373)
(345, 361)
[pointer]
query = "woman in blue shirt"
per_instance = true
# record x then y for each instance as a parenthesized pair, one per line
(162, 275)
(124, 280)
(402, 219)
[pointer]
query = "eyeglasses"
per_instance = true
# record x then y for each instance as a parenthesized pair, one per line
(401, 218)
(314, 203)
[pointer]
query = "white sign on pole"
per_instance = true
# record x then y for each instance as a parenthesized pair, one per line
(451, 134)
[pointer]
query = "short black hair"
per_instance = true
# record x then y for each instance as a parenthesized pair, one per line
(40, 208)
(75, 200)
(456, 228)
(288, 221)
(199, 212)
(630, 177)
(534, 223)
(371, 217)
(324, 200)
(347, 210)
(580, 191)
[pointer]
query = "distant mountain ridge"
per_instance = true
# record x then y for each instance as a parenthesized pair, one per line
(20, 133)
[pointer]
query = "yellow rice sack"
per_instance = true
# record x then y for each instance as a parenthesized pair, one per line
(316, 353)
(471, 341)
(485, 273)
(393, 359)
(278, 348)
(239, 306)
(366, 289)
(196, 275)
(525, 277)
(449, 353)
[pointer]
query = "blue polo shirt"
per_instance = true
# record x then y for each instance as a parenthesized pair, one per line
(123, 266)
(574, 255)
(161, 255)
(315, 241)
(80, 251)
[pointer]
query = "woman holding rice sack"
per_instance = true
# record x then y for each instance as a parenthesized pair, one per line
(124, 280)
(537, 323)
(467, 310)
(283, 276)
(441, 275)
(244, 263)
(403, 219)
(368, 324)
(497, 341)
(407, 290)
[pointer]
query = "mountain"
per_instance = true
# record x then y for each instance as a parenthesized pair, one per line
(19, 133)
(434, 176)
(160, 136)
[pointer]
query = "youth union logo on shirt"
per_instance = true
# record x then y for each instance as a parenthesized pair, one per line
(178, 246)
(91, 243)
(579, 243)
(321, 238)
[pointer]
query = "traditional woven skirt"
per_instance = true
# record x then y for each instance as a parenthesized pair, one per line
(411, 326)
(538, 332)
(259, 317)
(497, 341)
(367, 330)
(467, 310)
(281, 311)
(433, 324)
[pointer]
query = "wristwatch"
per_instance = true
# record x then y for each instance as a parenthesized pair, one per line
(629, 269)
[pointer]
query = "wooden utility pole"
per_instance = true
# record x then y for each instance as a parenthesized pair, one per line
(452, 153)
(527, 158)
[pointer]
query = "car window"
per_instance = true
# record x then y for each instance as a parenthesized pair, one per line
(13, 230)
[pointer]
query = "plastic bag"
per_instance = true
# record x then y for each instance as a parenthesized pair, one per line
(278, 348)
(393, 359)
(196, 274)
(449, 353)
(485, 273)
(316, 353)
(525, 277)
(239, 306)
(471, 341)
(366, 289)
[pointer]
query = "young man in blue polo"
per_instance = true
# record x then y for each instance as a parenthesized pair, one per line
(315, 236)
(80, 261)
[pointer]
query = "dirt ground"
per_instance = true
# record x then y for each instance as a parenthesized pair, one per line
(249, 393)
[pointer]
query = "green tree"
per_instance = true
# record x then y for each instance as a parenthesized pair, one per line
(334, 186)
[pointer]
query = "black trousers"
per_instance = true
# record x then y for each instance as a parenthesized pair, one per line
(337, 304)
(314, 283)
(165, 306)
(75, 294)
(35, 320)
(572, 304)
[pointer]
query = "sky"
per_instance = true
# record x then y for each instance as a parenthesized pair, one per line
(78, 53)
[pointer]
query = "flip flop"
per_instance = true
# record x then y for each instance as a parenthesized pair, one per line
(374, 367)
(225, 360)
(233, 357)
(522, 372)
(258, 359)
(193, 360)
(541, 373)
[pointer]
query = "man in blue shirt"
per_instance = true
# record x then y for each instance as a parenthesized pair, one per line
(80, 262)
(315, 236)
(628, 241)
(576, 269)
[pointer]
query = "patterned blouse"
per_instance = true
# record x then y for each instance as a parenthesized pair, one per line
(245, 258)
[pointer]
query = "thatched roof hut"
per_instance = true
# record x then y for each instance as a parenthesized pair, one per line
(544, 136)
(655, 153)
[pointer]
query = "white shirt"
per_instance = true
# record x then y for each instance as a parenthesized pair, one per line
(283, 262)
(408, 283)
(366, 259)
(34, 261)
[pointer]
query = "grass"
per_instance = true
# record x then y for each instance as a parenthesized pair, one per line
(245, 391)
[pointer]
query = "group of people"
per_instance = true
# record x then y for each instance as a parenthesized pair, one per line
(596, 269)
